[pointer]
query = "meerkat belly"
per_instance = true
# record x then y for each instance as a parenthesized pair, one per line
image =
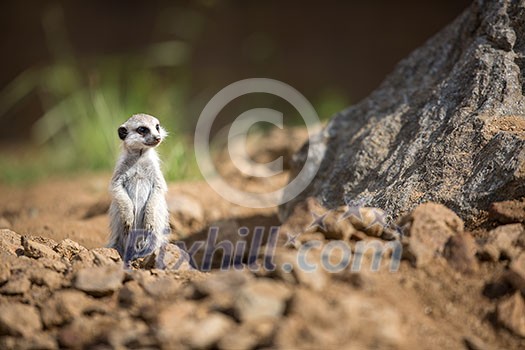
(139, 190)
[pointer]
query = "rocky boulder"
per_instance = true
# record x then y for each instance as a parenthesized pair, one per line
(447, 125)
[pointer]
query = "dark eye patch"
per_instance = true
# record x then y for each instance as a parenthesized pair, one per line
(157, 127)
(142, 130)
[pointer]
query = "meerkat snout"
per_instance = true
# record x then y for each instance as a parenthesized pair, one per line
(141, 131)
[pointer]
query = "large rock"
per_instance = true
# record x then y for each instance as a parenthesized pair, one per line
(447, 125)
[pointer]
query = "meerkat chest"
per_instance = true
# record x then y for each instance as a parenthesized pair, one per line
(139, 182)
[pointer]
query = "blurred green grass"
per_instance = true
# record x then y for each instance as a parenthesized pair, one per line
(84, 110)
(86, 98)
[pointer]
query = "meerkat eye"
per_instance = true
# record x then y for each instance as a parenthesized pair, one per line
(157, 127)
(142, 130)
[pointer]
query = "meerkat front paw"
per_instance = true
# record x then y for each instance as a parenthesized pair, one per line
(127, 221)
(149, 220)
(148, 226)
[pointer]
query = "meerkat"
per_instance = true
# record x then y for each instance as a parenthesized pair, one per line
(138, 209)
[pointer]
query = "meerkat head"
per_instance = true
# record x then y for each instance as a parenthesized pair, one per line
(141, 131)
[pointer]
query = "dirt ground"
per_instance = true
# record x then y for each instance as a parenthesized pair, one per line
(455, 288)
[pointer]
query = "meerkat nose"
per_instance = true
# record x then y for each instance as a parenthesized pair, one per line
(157, 138)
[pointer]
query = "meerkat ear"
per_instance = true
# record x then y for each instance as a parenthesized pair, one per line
(122, 132)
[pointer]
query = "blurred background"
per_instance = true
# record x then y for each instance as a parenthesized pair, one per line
(73, 71)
